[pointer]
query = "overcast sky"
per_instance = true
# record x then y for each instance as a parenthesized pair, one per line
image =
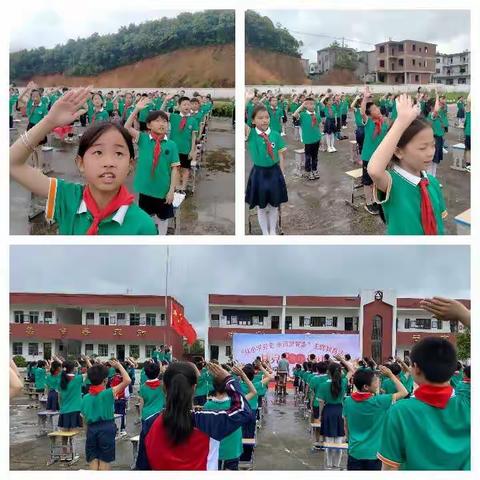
(196, 271)
(449, 29)
(38, 26)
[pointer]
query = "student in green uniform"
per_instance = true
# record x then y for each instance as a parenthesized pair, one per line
(321, 369)
(98, 113)
(151, 393)
(36, 111)
(359, 125)
(467, 130)
(13, 102)
(53, 384)
(105, 157)
(183, 131)
(158, 163)
(126, 107)
(109, 105)
(40, 374)
(443, 113)
(344, 105)
(329, 129)
(310, 124)
(266, 187)
(98, 413)
(70, 397)
(412, 201)
(203, 384)
(198, 115)
(457, 376)
(388, 385)
(158, 354)
(143, 112)
(231, 446)
(276, 114)
(436, 119)
(364, 413)
(375, 130)
(463, 388)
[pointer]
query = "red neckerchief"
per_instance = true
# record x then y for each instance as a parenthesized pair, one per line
(361, 396)
(378, 126)
(94, 116)
(437, 397)
(96, 389)
(268, 144)
(183, 122)
(429, 222)
(157, 150)
(466, 380)
(123, 197)
(314, 120)
(155, 383)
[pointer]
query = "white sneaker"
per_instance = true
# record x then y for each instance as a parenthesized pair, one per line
(334, 149)
(46, 149)
(445, 151)
(283, 134)
(344, 127)
(329, 150)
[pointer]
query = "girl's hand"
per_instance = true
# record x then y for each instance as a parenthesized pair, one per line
(217, 371)
(67, 108)
(249, 95)
(406, 111)
(447, 309)
(385, 371)
(238, 371)
(143, 103)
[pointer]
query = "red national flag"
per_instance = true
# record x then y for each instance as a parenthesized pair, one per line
(178, 319)
(190, 333)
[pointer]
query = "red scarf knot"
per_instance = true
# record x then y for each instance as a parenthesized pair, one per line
(157, 150)
(96, 389)
(314, 120)
(361, 396)
(268, 144)
(437, 397)
(378, 126)
(153, 384)
(183, 122)
(429, 223)
(123, 197)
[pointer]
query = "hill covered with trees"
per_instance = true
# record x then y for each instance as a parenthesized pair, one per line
(132, 43)
(261, 33)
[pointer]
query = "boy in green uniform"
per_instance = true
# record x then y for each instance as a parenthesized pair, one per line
(329, 112)
(156, 172)
(431, 431)
(98, 413)
(231, 446)
(364, 413)
(276, 114)
(183, 131)
(151, 392)
(310, 123)
(375, 131)
(98, 113)
(40, 374)
(143, 113)
(344, 104)
(412, 200)
(203, 384)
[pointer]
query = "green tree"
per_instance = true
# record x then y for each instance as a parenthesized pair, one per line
(463, 344)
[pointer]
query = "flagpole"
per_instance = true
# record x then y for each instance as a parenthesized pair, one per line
(168, 310)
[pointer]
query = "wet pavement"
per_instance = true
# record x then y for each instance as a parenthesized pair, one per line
(321, 207)
(209, 211)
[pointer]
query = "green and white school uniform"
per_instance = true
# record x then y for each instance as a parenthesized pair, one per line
(182, 137)
(13, 102)
(365, 421)
(437, 124)
(275, 118)
(418, 436)
(324, 392)
(40, 378)
(401, 203)
(372, 141)
(98, 408)
(98, 116)
(35, 113)
(258, 148)
(153, 400)
(65, 206)
(143, 114)
(158, 184)
(71, 398)
(310, 133)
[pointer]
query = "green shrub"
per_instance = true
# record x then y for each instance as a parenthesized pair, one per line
(20, 361)
(222, 109)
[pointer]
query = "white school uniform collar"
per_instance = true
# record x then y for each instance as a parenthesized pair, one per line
(413, 179)
(99, 111)
(309, 112)
(182, 115)
(219, 400)
(119, 217)
(151, 138)
(267, 131)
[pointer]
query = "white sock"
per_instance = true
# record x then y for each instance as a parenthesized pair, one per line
(162, 225)
(327, 140)
(272, 215)
(329, 452)
(338, 453)
(332, 140)
(434, 169)
(263, 219)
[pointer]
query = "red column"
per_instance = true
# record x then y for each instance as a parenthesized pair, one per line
(385, 311)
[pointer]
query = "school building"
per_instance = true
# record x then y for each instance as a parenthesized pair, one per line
(387, 325)
(452, 69)
(405, 62)
(42, 324)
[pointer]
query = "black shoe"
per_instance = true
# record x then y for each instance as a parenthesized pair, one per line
(371, 209)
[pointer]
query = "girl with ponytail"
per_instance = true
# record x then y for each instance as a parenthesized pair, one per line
(70, 396)
(53, 384)
(181, 438)
(331, 395)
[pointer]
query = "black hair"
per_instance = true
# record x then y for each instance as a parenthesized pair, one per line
(395, 368)
(309, 366)
(305, 366)
(65, 89)
(194, 100)
(41, 363)
(363, 378)
(152, 370)
(182, 99)
(257, 110)
(309, 99)
(55, 365)
(100, 95)
(335, 372)
(459, 366)
(153, 115)
(199, 362)
(371, 364)
(284, 355)
(466, 371)
(219, 386)
(249, 371)
(93, 133)
(179, 379)
(348, 357)
(368, 106)
(322, 367)
(326, 357)
(436, 358)
(97, 373)
(312, 357)
(297, 366)
(68, 367)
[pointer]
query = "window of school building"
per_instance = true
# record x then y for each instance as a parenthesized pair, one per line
(47, 317)
(17, 348)
(228, 350)
(102, 350)
(33, 348)
(151, 319)
(89, 349)
(288, 322)
(90, 318)
(134, 351)
(121, 318)
(104, 318)
(33, 317)
(135, 319)
(149, 350)
(18, 316)
(162, 319)
(215, 320)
